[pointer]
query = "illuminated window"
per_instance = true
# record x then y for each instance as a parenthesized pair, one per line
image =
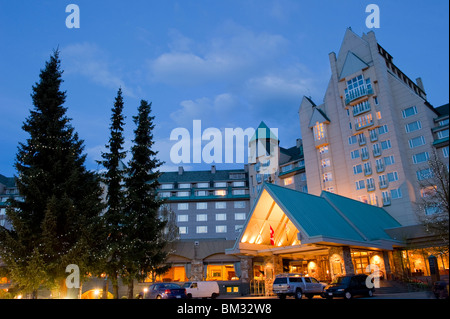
(221, 272)
(327, 177)
(220, 192)
(319, 132)
(363, 121)
(326, 162)
(379, 115)
(288, 181)
(323, 149)
(428, 191)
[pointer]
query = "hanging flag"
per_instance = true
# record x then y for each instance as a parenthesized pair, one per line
(272, 240)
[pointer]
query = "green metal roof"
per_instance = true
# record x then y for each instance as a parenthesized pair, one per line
(370, 220)
(333, 216)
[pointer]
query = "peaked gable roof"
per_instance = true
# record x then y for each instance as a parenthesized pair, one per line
(327, 219)
(318, 116)
(352, 64)
(268, 134)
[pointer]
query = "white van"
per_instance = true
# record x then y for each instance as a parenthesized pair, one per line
(201, 289)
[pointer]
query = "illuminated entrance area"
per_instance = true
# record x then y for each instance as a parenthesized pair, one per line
(323, 236)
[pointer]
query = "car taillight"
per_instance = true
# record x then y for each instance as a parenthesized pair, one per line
(167, 291)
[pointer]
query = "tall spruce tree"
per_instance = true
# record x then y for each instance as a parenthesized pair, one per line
(53, 226)
(143, 227)
(115, 199)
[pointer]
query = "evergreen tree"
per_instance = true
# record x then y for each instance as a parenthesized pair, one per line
(53, 226)
(143, 227)
(113, 179)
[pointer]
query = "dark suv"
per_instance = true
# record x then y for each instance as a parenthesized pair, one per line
(348, 286)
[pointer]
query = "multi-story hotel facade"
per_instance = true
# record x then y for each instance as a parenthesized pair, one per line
(372, 136)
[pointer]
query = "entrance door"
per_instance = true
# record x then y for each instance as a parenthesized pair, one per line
(360, 262)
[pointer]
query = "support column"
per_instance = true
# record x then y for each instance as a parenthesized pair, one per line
(340, 261)
(197, 269)
(246, 269)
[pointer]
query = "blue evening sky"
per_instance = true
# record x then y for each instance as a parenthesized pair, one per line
(228, 63)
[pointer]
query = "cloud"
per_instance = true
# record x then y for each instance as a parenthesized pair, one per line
(90, 61)
(218, 111)
(232, 56)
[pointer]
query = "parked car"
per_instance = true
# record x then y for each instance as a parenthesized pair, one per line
(165, 291)
(201, 289)
(296, 285)
(348, 286)
(440, 289)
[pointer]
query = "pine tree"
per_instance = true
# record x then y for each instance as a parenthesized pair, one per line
(53, 226)
(113, 179)
(143, 227)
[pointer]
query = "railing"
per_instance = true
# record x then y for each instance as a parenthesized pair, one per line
(361, 108)
(357, 93)
(383, 184)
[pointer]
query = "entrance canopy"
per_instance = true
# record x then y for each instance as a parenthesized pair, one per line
(286, 220)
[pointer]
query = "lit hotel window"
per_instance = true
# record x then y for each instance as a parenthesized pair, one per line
(220, 192)
(288, 181)
(318, 131)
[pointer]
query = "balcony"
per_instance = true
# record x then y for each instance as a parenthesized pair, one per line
(376, 151)
(380, 167)
(367, 171)
(357, 93)
(373, 135)
(360, 108)
(370, 187)
(364, 155)
(386, 199)
(362, 139)
(383, 184)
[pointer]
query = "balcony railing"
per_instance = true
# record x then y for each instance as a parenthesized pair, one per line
(380, 167)
(383, 184)
(364, 155)
(362, 139)
(386, 200)
(357, 93)
(367, 171)
(377, 152)
(361, 108)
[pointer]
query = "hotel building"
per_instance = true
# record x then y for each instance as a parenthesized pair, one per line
(372, 136)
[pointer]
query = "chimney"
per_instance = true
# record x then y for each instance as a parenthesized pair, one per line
(420, 83)
(213, 169)
(180, 170)
(298, 142)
